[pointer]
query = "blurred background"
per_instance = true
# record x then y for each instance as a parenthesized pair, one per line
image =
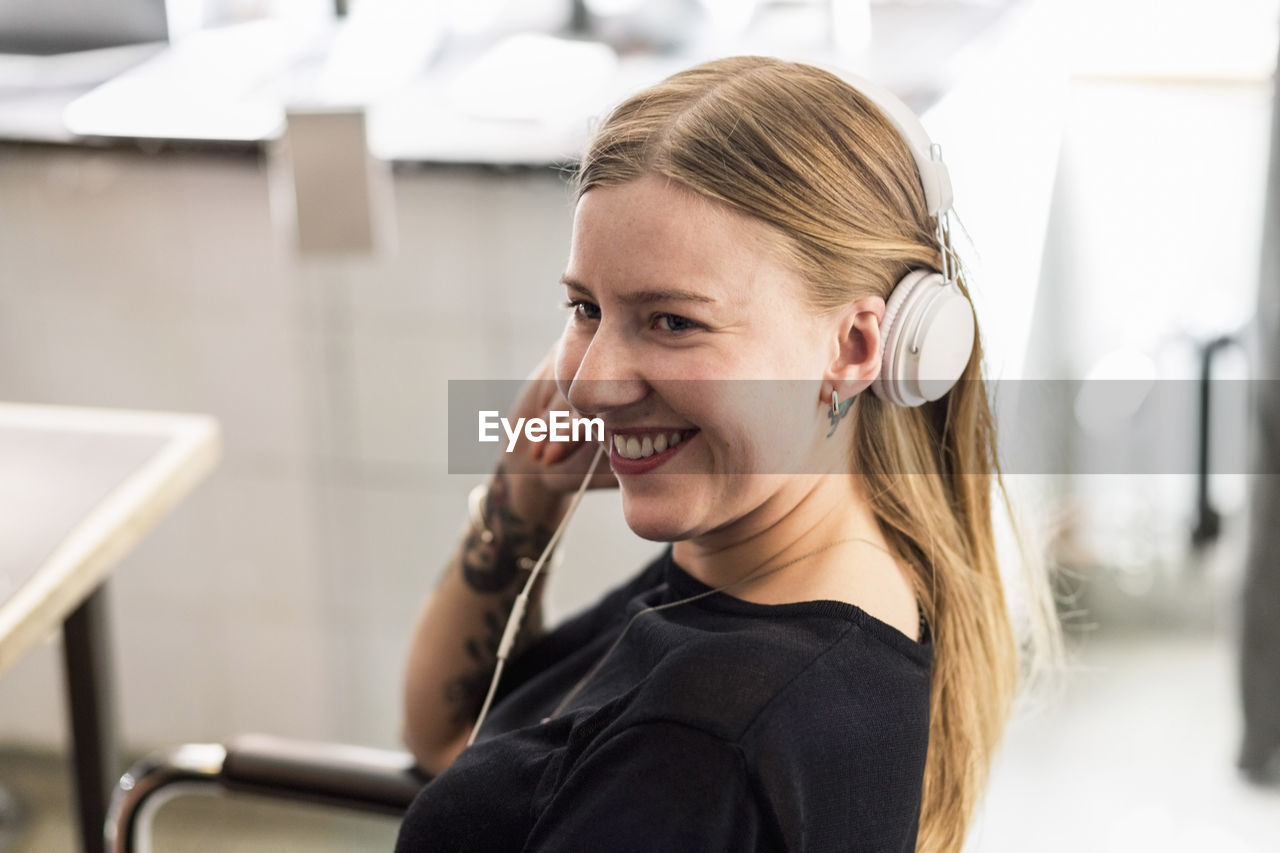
(305, 217)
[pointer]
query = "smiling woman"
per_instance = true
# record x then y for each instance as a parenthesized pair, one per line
(735, 368)
(765, 316)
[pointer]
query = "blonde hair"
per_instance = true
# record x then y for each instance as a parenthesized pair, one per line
(801, 150)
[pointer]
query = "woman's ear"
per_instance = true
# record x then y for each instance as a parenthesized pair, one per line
(856, 346)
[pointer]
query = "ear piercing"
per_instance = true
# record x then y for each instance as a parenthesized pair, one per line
(839, 408)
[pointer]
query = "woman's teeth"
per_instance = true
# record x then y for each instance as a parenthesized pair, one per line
(630, 447)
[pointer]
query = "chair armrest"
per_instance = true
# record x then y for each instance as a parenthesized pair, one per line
(350, 777)
(353, 777)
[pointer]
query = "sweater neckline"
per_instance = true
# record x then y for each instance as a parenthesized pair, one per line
(681, 584)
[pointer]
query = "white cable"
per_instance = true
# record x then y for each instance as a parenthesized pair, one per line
(517, 610)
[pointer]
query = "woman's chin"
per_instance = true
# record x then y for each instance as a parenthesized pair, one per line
(656, 519)
(658, 530)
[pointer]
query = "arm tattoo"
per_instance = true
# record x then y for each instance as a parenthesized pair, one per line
(490, 567)
(493, 569)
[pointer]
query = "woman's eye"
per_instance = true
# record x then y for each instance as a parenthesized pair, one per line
(582, 308)
(675, 323)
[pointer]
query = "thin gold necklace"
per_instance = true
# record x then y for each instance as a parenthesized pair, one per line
(757, 572)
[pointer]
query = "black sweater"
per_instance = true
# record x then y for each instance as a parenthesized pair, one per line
(716, 725)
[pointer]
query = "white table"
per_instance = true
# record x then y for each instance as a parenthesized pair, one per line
(78, 489)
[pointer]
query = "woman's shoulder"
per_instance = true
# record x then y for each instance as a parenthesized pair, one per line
(877, 584)
(817, 672)
(815, 615)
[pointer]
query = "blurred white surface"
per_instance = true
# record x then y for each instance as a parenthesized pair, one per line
(1139, 757)
(220, 84)
(1185, 40)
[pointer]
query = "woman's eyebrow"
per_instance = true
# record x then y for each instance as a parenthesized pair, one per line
(644, 297)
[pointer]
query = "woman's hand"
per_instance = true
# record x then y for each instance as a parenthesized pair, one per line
(452, 656)
(542, 475)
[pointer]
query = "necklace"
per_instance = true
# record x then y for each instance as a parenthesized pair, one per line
(754, 573)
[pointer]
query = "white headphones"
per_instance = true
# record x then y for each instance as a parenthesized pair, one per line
(927, 333)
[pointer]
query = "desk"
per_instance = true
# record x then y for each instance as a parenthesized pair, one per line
(78, 489)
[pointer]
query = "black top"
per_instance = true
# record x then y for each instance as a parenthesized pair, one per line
(716, 725)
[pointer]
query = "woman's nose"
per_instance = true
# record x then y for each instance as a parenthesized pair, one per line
(605, 378)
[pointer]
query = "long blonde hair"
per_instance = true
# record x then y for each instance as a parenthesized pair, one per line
(799, 149)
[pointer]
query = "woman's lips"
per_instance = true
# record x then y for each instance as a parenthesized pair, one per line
(636, 438)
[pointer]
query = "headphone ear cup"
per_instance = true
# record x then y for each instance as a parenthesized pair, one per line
(926, 339)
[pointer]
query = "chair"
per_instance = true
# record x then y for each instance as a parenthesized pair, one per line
(356, 778)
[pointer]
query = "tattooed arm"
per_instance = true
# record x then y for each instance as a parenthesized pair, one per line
(455, 643)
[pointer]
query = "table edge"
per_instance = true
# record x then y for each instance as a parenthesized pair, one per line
(116, 524)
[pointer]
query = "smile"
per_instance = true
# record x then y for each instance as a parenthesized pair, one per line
(642, 450)
(644, 445)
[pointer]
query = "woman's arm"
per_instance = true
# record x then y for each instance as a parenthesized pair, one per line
(454, 645)
(453, 652)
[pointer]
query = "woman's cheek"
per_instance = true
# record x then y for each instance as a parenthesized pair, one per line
(773, 430)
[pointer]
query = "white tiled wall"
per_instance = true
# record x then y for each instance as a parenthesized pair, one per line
(280, 595)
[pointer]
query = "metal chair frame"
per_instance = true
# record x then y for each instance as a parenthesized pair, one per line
(355, 778)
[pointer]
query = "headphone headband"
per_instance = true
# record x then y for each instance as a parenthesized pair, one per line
(934, 177)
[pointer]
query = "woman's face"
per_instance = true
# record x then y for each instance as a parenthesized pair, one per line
(685, 324)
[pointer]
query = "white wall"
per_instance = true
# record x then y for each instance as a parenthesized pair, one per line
(280, 595)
